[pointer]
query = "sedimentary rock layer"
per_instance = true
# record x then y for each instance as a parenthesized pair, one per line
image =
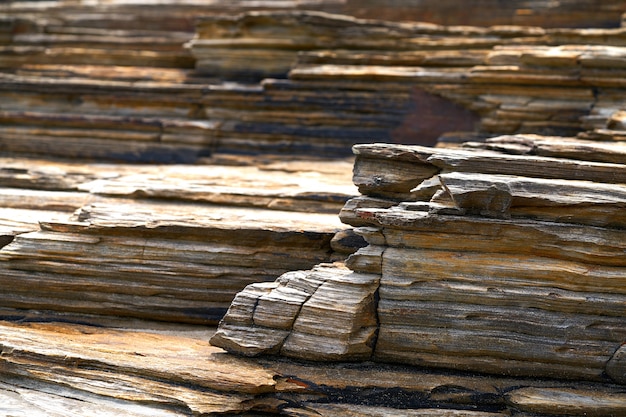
(349, 81)
(454, 266)
(488, 262)
(496, 80)
(163, 371)
(325, 313)
(170, 243)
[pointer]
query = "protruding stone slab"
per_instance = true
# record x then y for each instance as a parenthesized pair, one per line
(325, 313)
(166, 260)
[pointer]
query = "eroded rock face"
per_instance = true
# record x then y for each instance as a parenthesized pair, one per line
(508, 272)
(327, 313)
(92, 90)
(489, 265)
(415, 81)
(171, 243)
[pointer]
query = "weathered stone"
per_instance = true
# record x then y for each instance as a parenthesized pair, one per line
(373, 158)
(580, 202)
(124, 270)
(510, 281)
(335, 319)
(168, 371)
(347, 242)
(366, 260)
(505, 257)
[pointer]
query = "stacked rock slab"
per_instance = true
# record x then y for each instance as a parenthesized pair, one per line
(148, 34)
(372, 80)
(262, 44)
(99, 81)
(489, 262)
(68, 369)
(327, 313)
(140, 33)
(328, 108)
(99, 33)
(107, 81)
(551, 82)
(350, 81)
(109, 262)
(170, 243)
(496, 263)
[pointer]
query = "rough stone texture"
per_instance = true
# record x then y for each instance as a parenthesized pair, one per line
(486, 263)
(342, 81)
(57, 369)
(173, 242)
(476, 260)
(496, 80)
(108, 261)
(321, 314)
(438, 272)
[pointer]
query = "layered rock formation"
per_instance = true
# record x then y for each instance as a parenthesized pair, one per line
(507, 79)
(172, 243)
(476, 261)
(173, 372)
(493, 274)
(349, 81)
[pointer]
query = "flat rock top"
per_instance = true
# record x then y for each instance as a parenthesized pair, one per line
(144, 368)
(233, 192)
(153, 215)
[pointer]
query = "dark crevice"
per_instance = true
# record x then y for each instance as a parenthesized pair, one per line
(5, 240)
(399, 398)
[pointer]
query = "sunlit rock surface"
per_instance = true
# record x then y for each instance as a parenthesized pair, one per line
(152, 170)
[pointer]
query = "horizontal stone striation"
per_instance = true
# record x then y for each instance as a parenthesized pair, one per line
(169, 243)
(327, 313)
(479, 261)
(494, 80)
(497, 266)
(342, 81)
(65, 368)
